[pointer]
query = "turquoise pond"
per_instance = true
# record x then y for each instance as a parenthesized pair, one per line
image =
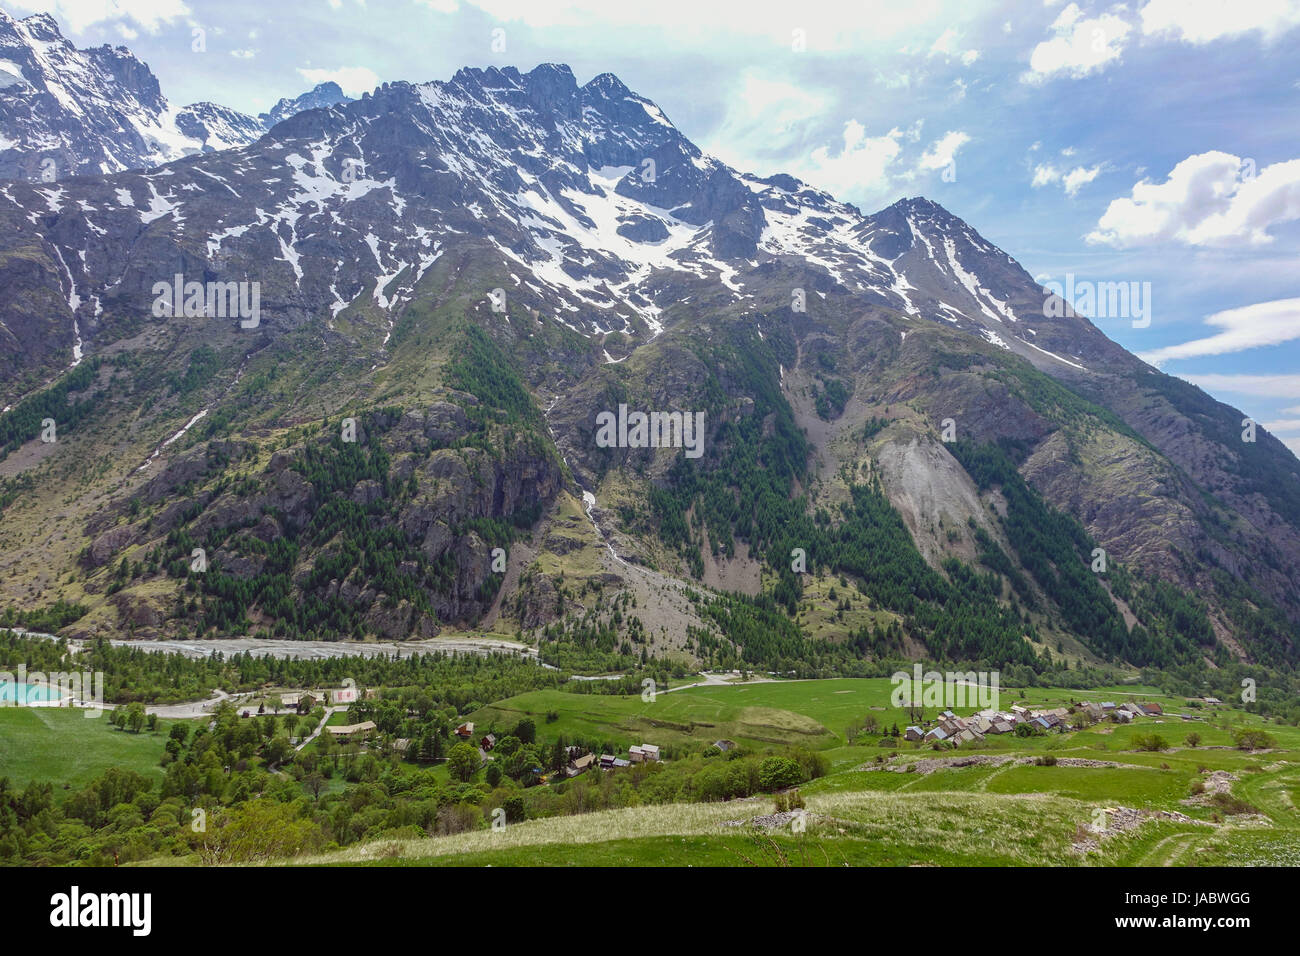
(12, 691)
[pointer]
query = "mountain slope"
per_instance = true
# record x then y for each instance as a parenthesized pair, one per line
(472, 270)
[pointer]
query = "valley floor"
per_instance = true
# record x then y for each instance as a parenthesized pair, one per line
(1086, 798)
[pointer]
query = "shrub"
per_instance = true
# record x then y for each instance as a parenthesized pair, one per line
(775, 773)
(1253, 740)
(786, 802)
(514, 808)
(1230, 804)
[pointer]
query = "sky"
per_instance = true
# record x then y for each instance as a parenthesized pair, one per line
(1154, 142)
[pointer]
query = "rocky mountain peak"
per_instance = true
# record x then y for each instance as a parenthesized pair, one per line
(40, 26)
(324, 94)
(68, 112)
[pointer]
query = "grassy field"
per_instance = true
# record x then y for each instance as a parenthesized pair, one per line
(873, 809)
(812, 714)
(63, 745)
(900, 805)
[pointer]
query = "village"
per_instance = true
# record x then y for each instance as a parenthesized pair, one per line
(949, 729)
(944, 731)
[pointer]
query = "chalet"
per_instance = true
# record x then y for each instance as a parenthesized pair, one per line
(1001, 727)
(465, 731)
(966, 736)
(981, 724)
(610, 762)
(1041, 723)
(1152, 710)
(488, 742)
(1213, 701)
(302, 702)
(1107, 705)
(346, 732)
(913, 733)
(580, 765)
(1121, 715)
(643, 753)
(725, 745)
(936, 734)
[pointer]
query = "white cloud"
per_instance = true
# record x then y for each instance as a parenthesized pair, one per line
(1209, 199)
(1283, 425)
(1079, 177)
(770, 107)
(353, 80)
(947, 46)
(1202, 21)
(1247, 327)
(767, 118)
(1079, 45)
(1268, 386)
(1045, 174)
(861, 168)
(861, 28)
(74, 16)
(944, 150)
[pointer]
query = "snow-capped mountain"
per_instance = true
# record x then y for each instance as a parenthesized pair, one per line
(599, 257)
(65, 111)
(591, 190)
(321, 95)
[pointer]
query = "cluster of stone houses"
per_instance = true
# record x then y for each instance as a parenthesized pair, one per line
(949, 728)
